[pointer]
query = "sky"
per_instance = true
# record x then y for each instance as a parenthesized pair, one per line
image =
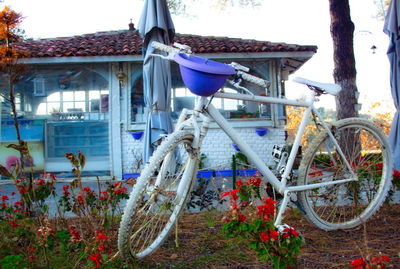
(305, 22)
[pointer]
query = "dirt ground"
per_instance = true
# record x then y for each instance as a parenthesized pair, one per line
(201, 244)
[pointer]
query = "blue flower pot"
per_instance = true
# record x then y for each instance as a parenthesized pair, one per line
(205, 174)
(236, 147)
(137, 135)
(130, 175)
(225, 173)
(261, 131)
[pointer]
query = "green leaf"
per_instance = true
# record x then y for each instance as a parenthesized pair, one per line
(13, 262)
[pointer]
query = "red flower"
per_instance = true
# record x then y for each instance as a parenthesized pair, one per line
(380, 260)
(4, 198)
(379, 168)
(103, 195)
(316, 174)
(244, 203)
(80, 199)
(267, 210)
(273, 234)
(96, 258)
(358, 263)
(21, 189)
(100, 236)
(264, 236)
(13, 224)
(53, 177)
(88, 191)
(254, 181)
(232, 193)
(239, 183)
(31, 256)
(13, 193)
(18, 203)
(242, 218)
(121, 190)
(75, 235)
(66, 190)
(101, 248)
(40, 182)
(289, 232)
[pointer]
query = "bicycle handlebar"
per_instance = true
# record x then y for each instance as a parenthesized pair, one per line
(240, 69)
(253, 79)
(165, 48)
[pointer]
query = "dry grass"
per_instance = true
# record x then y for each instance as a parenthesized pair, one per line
(203, 246)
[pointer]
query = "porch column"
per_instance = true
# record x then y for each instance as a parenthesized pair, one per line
(116, 87)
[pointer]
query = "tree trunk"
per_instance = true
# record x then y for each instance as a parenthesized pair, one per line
(342, 29)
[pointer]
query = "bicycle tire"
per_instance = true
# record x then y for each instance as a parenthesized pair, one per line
(151, 210)
(344, 206)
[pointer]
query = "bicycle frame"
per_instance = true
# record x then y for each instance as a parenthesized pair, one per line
(203, 104)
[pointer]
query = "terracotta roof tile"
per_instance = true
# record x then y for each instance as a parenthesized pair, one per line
(128, 42)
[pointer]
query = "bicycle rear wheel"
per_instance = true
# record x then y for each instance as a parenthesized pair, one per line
(158, 197)
(346, 205)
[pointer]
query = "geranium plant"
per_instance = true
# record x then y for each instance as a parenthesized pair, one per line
(378, 262)
(251, 219)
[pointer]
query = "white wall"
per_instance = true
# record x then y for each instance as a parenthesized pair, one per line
(217, 146)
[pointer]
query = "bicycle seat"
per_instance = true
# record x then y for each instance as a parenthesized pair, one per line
(330, 88)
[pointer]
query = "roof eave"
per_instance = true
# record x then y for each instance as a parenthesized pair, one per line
(300, 56)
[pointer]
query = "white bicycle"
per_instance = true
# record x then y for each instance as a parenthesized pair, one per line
(343, 178)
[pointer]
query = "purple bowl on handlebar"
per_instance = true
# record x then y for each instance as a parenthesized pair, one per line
(203, 77)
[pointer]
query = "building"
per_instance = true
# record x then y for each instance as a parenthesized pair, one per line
(84, 93)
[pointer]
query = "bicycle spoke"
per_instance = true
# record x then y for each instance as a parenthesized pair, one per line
(342, 205)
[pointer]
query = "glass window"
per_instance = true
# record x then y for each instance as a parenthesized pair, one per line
(57, 92)
(181, 97)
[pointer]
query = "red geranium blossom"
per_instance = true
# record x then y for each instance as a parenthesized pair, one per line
(254, 181)
(31, 256)
(96, 258)
(103, 195)
(358, 263)
(289, 232)
(264, 236)
(266, 210)
(75, 235)
(232, 193)
(242, 218)
(121, 190)
(396, 175)
(273, 234)
(13, 224)
(100, 236)
(21, 189)
(40, 182)
(65, 190)
(88, 191)
(80, 199)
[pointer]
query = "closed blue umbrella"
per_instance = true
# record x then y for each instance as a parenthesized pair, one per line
(156, 25)
(391, 28)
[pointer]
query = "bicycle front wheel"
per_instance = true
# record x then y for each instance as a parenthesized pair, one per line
(158, 196)
(368, 155)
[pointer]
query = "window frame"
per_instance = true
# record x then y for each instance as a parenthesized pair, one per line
(267, 68)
